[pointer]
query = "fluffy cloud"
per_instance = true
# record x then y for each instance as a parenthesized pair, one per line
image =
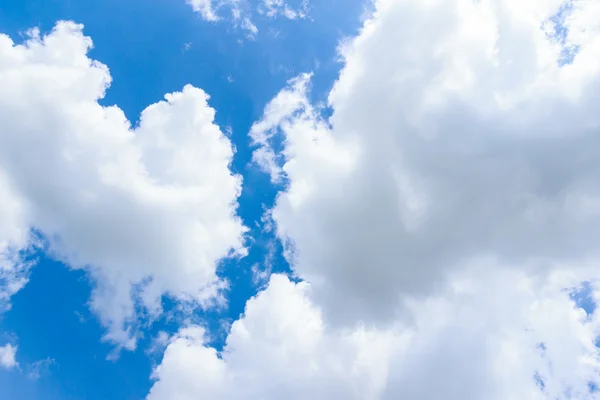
(242, 11)
(513, 340)
(7, 356)
(205, 8)
(456, 134)
(440, 218)
(148, 210)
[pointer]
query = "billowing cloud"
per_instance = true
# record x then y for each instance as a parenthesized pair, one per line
(7, 356)
(511, 340)
(457, 133)
(147, 210)
(440, 218)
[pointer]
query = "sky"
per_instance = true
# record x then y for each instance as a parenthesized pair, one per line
(266, 199)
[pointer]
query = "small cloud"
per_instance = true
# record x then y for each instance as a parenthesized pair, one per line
(204, 8)
(242, 20)
(186, 46)
(262, 272)
(274, 8)
(39, 368)
(274, 32)
(7, 356)
(159, 343)
(80, 317)
(249, 27)
(241, 17)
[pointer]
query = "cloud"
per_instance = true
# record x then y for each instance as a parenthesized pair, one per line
(441, 219)
(205, 8)
(468, 140)
(40, 368)
(7, 356)
(474, 341)
(287, 104)
(242, 11)
(147, 210)
(273, 8)
(240, 14)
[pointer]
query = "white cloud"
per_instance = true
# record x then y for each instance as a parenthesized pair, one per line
(148, 210)
(40, 368)
(284, 106)
(13, 237)
(240, 15)
(205, 8)
(440, 217)
(242, 19)
(475, 341)
(7, 356)
(242, 11)
(446, 144)
(273, 8)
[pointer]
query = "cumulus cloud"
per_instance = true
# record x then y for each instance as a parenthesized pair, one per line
(7, 356)
(147, 210)
(440, 219)
(456, 134)
(511, 340)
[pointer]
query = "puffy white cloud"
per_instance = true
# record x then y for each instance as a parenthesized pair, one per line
(474, 341)
(148, 210)
(440, 218)
(7, 356)
(456, 134)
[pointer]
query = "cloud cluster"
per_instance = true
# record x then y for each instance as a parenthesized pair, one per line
(273, 8)
(439, 218)
(205, 8)
(147, 210)
(242, 11)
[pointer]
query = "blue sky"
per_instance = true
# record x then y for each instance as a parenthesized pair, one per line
(153, 48)
(407, 213)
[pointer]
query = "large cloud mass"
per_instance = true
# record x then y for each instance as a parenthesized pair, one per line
(456, 134)
(471, 342)
(148, 210)
(440, 217)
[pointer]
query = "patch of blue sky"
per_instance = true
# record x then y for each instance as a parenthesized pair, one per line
(559, 32)
(583, 298)
(539, 381)
(153, 48)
